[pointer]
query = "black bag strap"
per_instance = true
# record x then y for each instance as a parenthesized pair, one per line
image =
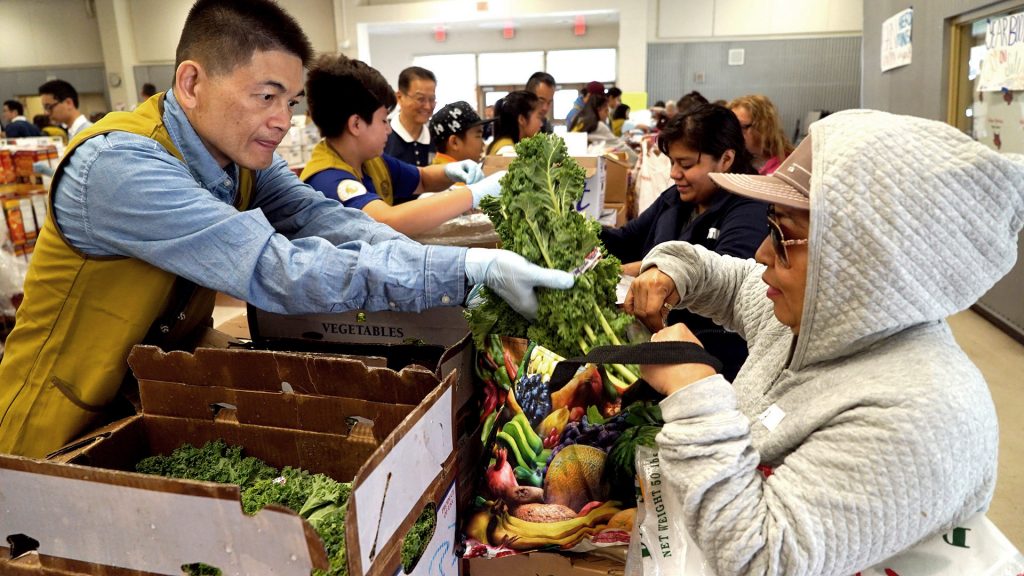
(646, 353)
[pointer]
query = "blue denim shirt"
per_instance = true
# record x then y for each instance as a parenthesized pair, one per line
(293, 252)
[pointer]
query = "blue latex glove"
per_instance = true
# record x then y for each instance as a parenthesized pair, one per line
(490, 186)
(513, 278)
(463, 171)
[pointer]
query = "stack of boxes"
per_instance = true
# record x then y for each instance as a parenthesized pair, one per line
(24, 211)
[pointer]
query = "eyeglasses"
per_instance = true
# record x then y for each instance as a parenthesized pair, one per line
(779, 241)
(422, 100)
(49, 107)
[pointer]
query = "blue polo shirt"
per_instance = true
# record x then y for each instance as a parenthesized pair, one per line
(345, 187)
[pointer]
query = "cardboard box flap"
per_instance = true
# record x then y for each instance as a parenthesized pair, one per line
(266, 371)
(402, 469)
(168, 523)
(329, 414)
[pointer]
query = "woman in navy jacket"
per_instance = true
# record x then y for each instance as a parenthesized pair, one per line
(704, 139)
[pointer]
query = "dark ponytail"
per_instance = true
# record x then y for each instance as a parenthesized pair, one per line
(508, 110)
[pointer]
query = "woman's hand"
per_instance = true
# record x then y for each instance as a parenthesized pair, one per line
(631, 269)
(670, 378)
(650, 297)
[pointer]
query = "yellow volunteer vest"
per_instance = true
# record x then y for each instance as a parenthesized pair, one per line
(81, 315)
(617, 126)
(497, 145)
(325, 158)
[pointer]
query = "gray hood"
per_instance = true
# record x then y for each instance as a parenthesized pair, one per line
(911, 221)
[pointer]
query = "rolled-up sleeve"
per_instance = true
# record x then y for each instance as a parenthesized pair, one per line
(293, 252)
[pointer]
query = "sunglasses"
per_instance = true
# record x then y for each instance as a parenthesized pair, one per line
(779, 241)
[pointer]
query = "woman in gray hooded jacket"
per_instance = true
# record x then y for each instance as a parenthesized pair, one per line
(857, 427)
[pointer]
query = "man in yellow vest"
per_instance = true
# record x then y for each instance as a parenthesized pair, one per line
(154, 210)
(349, 102)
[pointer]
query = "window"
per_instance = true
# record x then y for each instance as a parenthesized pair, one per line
(456, 77)
(492, 96)
(564, 100)
(570, 66)
(508, 67)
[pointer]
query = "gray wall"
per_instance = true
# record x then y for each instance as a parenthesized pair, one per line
(26, 82)
(799, 75)
(920, 88)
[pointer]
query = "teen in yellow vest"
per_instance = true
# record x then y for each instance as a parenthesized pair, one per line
(349, 102)
(149, 200)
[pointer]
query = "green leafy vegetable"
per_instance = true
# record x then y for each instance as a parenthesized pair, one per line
(415, 542)
(536, 217)
(322, 501)
(644, 419)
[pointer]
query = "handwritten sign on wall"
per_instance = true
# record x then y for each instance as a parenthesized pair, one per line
(896, 47)
(1003, 65)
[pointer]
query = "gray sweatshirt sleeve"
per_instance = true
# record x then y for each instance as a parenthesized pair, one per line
(726, 289)
(868, 480)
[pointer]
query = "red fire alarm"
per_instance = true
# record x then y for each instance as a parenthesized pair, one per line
(440, 33)
(508, 32)
(579, 27)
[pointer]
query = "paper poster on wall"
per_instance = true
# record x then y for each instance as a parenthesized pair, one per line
(1003, 65)
(999, 120)
(896, 47)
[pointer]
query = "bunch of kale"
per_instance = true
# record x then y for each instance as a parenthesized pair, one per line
(536, 216)
(322, 501)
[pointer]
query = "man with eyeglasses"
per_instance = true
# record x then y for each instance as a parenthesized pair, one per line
(410, 139)
(154, 211)
(60, 101)
(542, 85)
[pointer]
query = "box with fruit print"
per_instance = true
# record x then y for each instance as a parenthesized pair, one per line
(558, 470)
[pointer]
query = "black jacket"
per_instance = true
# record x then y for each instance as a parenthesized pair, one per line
(740, 224)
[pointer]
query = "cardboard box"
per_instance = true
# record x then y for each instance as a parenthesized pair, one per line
(617, 181)
(593, 190)
(437, 339)
(613, 215)
(545, 564)
(286, 409)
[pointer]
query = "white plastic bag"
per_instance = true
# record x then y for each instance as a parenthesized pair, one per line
(12, 273)
(976, 547)
(660, 544)
(652, 176)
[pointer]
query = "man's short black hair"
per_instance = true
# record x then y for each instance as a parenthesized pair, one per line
(338, 87)
(60, 90)
(539, 78)
(148, 89)
(411, 73)
(15, 106)
(614, 92)
(224, 34)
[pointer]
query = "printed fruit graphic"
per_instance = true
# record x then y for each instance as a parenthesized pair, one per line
(476, 526)
(623, 520)
(543, 512)
(519, 534)
(574, 477)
